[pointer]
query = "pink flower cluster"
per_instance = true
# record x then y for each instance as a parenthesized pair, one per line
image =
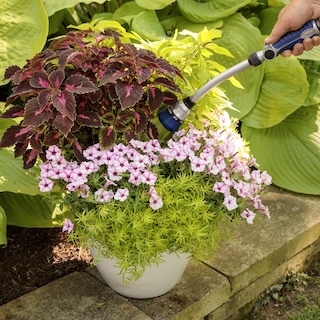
(221, 156)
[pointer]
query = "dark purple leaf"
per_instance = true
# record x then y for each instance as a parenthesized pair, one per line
(152, 131)
(166, 67)
(67, 55)
(52, 138)
(43, 99)
(13, 112)
(107, 137)
(35, 142)
(144, 74)
(15, 134)
(128, 94)
(80, 84)
(10, 71)
(20, 90)
(62, 123)
(89, 118)
(20, 148)
(155, 98)
(56, 78)
(78, 151)
(120, 126)
(169, 98)
(65, 103)
(95, 96)
(129, 135)
(111, 76)
(33, 115)
(167, 83)
(125, 116)
(141, 121)
(29, 158)
(40, 80)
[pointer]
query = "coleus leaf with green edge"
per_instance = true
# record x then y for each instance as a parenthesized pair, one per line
(290, 151)
(21, 35)
(283, 90)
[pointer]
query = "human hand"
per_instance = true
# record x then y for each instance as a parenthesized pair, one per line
(292, 17)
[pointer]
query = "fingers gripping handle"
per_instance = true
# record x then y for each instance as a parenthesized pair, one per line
(308, 30)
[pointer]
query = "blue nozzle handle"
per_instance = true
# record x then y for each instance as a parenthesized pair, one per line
(308, 30)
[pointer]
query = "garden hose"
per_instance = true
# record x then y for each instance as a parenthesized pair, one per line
(172, 117)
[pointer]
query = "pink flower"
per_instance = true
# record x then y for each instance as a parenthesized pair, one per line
(67, 226)
(221, 187)
(149, 178)
(103, 195)
(230, 202)
(46, 170)
(84, 191)
(121, 194)
(197, 164)
(53, 153)
(45, 185)
(135, 177)
(155, 202)
(248, 215)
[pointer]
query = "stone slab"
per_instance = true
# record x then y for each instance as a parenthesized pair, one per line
(254, 250)
(77, 296)
(256, 288)
(200, 291)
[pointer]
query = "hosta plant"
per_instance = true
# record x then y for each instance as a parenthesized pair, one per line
(86, 88)
(138, 200)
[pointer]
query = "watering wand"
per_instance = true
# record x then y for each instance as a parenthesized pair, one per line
(172, 117)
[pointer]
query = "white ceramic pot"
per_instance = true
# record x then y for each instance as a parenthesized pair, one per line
(156, 280)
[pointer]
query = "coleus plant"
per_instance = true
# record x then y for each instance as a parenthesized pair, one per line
(86, 88)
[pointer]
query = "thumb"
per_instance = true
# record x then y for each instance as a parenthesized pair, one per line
(279, 29)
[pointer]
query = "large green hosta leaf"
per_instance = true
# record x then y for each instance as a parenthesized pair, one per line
(23, 32)
(236, 31)
(154, 4)
(14, 178)
(313, 71)
(207, 11)
(53, 6)
(283, 90)
(268, 17)
(3, 227)
(290, 151)
(148, 26)
(30, 211)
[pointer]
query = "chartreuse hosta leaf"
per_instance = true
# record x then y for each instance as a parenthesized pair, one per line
(57, 5)
(236, 31)
(148, 26)
(278, 3)
(3, 227)
(290, 151)
(207, 11)
(268, 17)
(154, 4)
(283, 90)
(21, 34)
